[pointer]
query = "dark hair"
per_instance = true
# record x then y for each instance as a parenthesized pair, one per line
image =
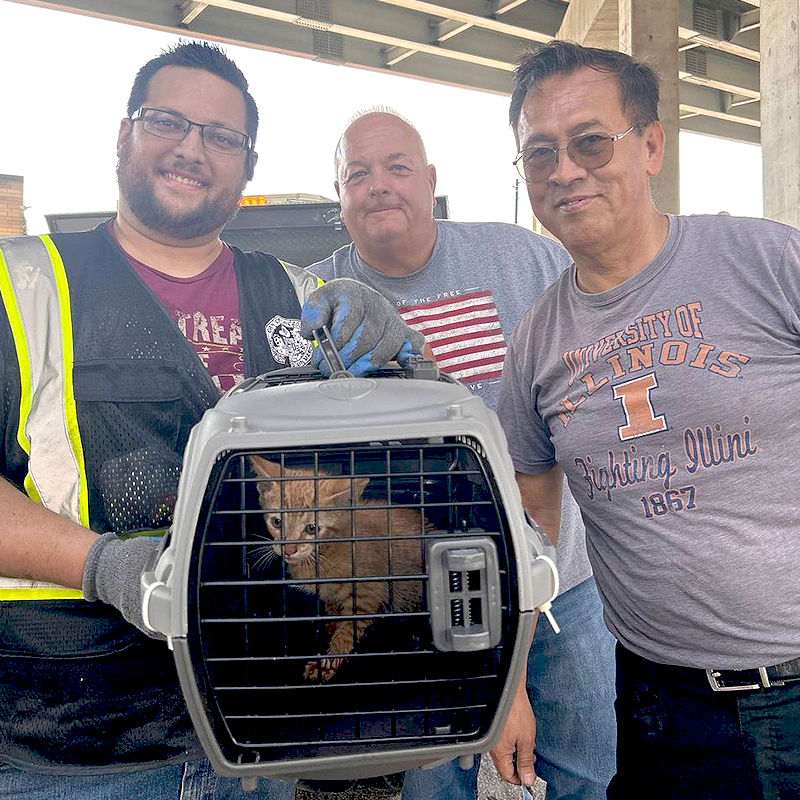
(638, 83)
(195, 55)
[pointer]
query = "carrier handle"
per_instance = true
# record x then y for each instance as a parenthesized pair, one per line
(322, 336)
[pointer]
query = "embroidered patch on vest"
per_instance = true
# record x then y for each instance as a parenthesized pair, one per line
(286, 343)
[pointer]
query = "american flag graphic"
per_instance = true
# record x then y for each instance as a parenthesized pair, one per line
(464, 333)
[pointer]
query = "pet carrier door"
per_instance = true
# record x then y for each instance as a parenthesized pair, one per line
(350, 583)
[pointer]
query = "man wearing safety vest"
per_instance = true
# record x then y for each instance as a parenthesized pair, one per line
(113, 343)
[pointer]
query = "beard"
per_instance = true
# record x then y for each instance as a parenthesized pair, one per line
(138, 191)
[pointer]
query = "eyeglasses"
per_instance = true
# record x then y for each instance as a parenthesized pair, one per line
(587, 150)
(167, 125)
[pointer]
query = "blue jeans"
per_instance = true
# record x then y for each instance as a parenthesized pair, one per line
(571, 688)
(192, 781)
(447, 782)
(679, 739)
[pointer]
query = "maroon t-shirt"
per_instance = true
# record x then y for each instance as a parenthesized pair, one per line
(206, 309)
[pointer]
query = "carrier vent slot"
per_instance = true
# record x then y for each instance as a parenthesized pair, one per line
(470, 590)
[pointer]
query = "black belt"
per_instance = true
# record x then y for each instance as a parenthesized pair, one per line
(740, 680)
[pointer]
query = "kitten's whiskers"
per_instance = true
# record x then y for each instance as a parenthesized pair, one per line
(260, 557)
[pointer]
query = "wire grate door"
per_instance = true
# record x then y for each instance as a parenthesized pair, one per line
(316, 630)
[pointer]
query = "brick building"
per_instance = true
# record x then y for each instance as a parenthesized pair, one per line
(12, 218)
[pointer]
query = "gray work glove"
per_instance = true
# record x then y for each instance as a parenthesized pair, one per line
(365, 328)
(113, 574)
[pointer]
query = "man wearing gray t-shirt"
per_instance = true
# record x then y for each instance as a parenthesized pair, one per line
(465, 286)
(666, 391)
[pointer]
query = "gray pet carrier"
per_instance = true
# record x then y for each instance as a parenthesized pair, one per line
(350, 582)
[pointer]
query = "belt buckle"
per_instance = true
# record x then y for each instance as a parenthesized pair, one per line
(765, 683)
(713, 676)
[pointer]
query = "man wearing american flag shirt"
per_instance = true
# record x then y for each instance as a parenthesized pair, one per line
(465, 286)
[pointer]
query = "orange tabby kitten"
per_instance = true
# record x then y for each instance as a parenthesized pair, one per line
(306, 560)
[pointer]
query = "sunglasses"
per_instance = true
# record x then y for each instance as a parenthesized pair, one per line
(587, 150)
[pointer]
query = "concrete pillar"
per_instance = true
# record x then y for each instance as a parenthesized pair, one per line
(648, 30)
(12, 218)
(780, 110)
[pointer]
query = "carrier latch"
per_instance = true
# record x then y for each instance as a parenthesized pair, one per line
(464, 594)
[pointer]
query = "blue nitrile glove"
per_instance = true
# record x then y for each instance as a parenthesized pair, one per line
(113, 574)
(365, 328)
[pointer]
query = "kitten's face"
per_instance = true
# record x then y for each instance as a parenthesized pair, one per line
(295, 527)
(287, 505)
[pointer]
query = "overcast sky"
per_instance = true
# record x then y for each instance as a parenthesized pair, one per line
(65, 81)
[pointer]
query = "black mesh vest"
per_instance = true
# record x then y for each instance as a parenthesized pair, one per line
(80, 689)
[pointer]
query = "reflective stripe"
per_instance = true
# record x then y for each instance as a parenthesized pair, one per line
(73, 436)
(303, 281)
(36, 297)
(15, 320)
(33, 590)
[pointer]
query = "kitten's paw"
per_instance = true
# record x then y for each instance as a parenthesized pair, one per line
(312, 671)
(329, 667)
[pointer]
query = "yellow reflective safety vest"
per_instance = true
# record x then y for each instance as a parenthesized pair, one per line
(99, 390)
(36, 298)
(36, 295)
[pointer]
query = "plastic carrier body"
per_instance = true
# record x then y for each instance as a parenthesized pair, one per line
(365, 605)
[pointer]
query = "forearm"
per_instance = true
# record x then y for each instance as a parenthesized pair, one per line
(541, 498)
(521, 692)
(37, 544)
(513, 755)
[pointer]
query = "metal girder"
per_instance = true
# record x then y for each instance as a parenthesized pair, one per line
(699, 80)
(358, 33)
(394, 55)
(470, 19)
(720, 71)
(447, 29)
(695, 38)
(721, 128)
(191, 10)
(540, 15)
(470, 43)
(454, 22)
(749, 21)
(703, 101)
(446, 23)
(502, 8)
(689, 110)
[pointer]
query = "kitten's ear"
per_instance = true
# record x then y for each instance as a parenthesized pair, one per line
(340, 489)
(264, 468)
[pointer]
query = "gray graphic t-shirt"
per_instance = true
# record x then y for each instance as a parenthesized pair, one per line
(672, 404)
(480, 280)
